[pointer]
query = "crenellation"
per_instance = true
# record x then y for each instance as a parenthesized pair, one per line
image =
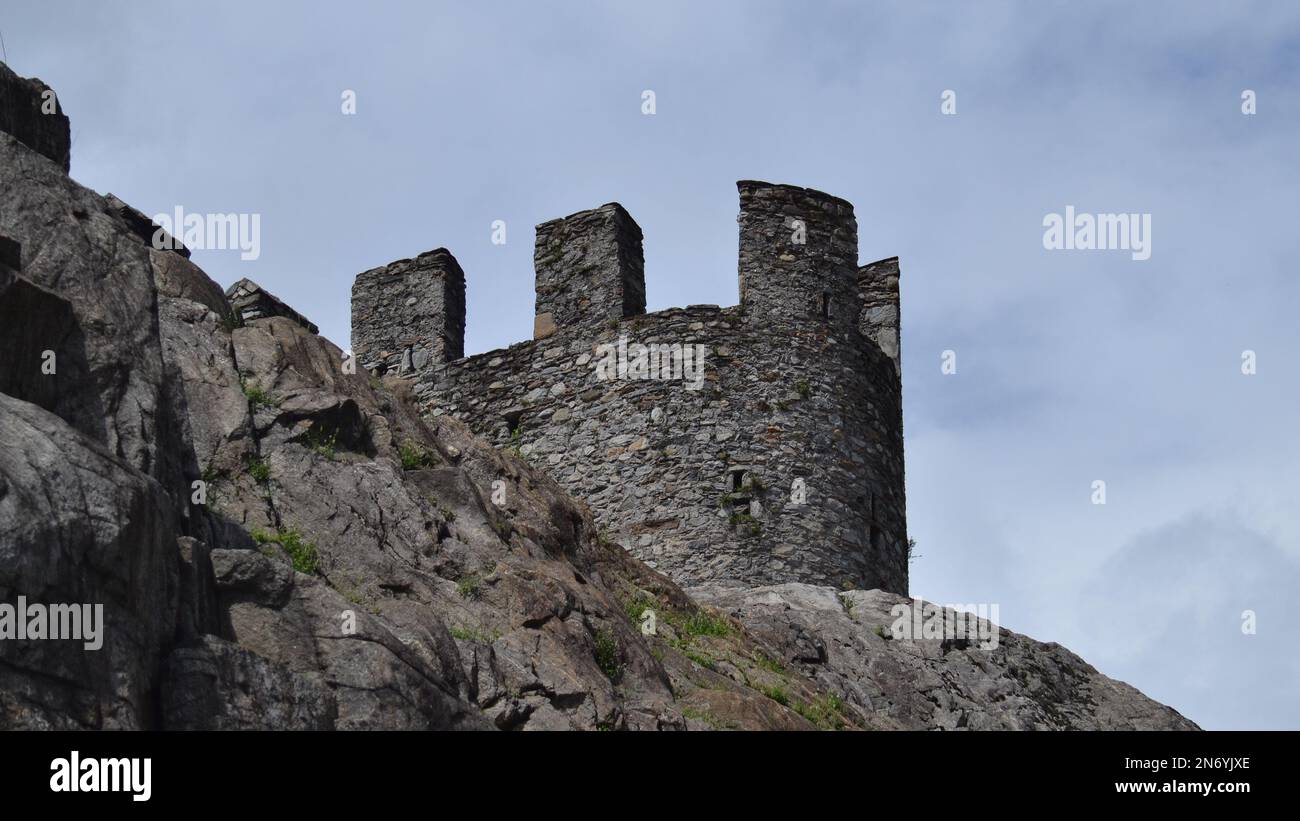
(798, 256)
(590, 270)
(879, 321)
(410, 314)
(783, 463)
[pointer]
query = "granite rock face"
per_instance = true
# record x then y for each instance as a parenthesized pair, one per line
(281, 540)
(148, 231)
(845, 642)
(31, 112)
(85, 294)
(79, 524)
(11, 259)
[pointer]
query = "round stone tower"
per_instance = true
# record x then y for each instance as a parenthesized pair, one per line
(756, 444)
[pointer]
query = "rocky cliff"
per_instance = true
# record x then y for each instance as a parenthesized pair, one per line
(279, 542)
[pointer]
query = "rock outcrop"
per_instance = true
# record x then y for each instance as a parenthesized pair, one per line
(281, 542)
(30, 111)
(844, 642)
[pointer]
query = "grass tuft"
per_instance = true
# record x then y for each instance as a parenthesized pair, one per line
(825, 712)
(415, 457)
(470, 587)
(322, 443)
(607, 655)
(302, 553)
(700, 623)
(777, 694)
(257, 396)
(259, 470)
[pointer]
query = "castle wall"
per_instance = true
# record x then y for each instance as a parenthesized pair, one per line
(409, 314)
(589, 268)
(878, 290)
(654, 460)
(704, 484)
(798, 256)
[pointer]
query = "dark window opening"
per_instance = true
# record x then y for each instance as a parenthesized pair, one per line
(739, 486)
(514, 420)
(826, 307)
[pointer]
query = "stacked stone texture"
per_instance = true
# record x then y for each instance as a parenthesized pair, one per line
(410, 314)
(705, 484)
(251, 301)
(590, 270)
(798, 258)
(878, 290)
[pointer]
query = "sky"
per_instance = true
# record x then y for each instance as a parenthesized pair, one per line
(1072, 366)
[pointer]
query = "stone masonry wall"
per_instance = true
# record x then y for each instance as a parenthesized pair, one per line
(785, 465)
(250, 301)
(589, 269)
(409, 314)
(878, 290)
(798, 257)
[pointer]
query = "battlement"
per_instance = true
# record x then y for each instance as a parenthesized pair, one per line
(589, 269)
(798, 255)
(779, 458)
(879, 321)
(409, 314)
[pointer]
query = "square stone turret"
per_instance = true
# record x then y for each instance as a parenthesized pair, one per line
(798, 257)
(590, 270)
(409, 314)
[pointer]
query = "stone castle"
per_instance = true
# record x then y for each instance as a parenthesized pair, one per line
(784, 464)
(781, 460)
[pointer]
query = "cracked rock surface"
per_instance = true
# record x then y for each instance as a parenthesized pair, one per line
(844, 642)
